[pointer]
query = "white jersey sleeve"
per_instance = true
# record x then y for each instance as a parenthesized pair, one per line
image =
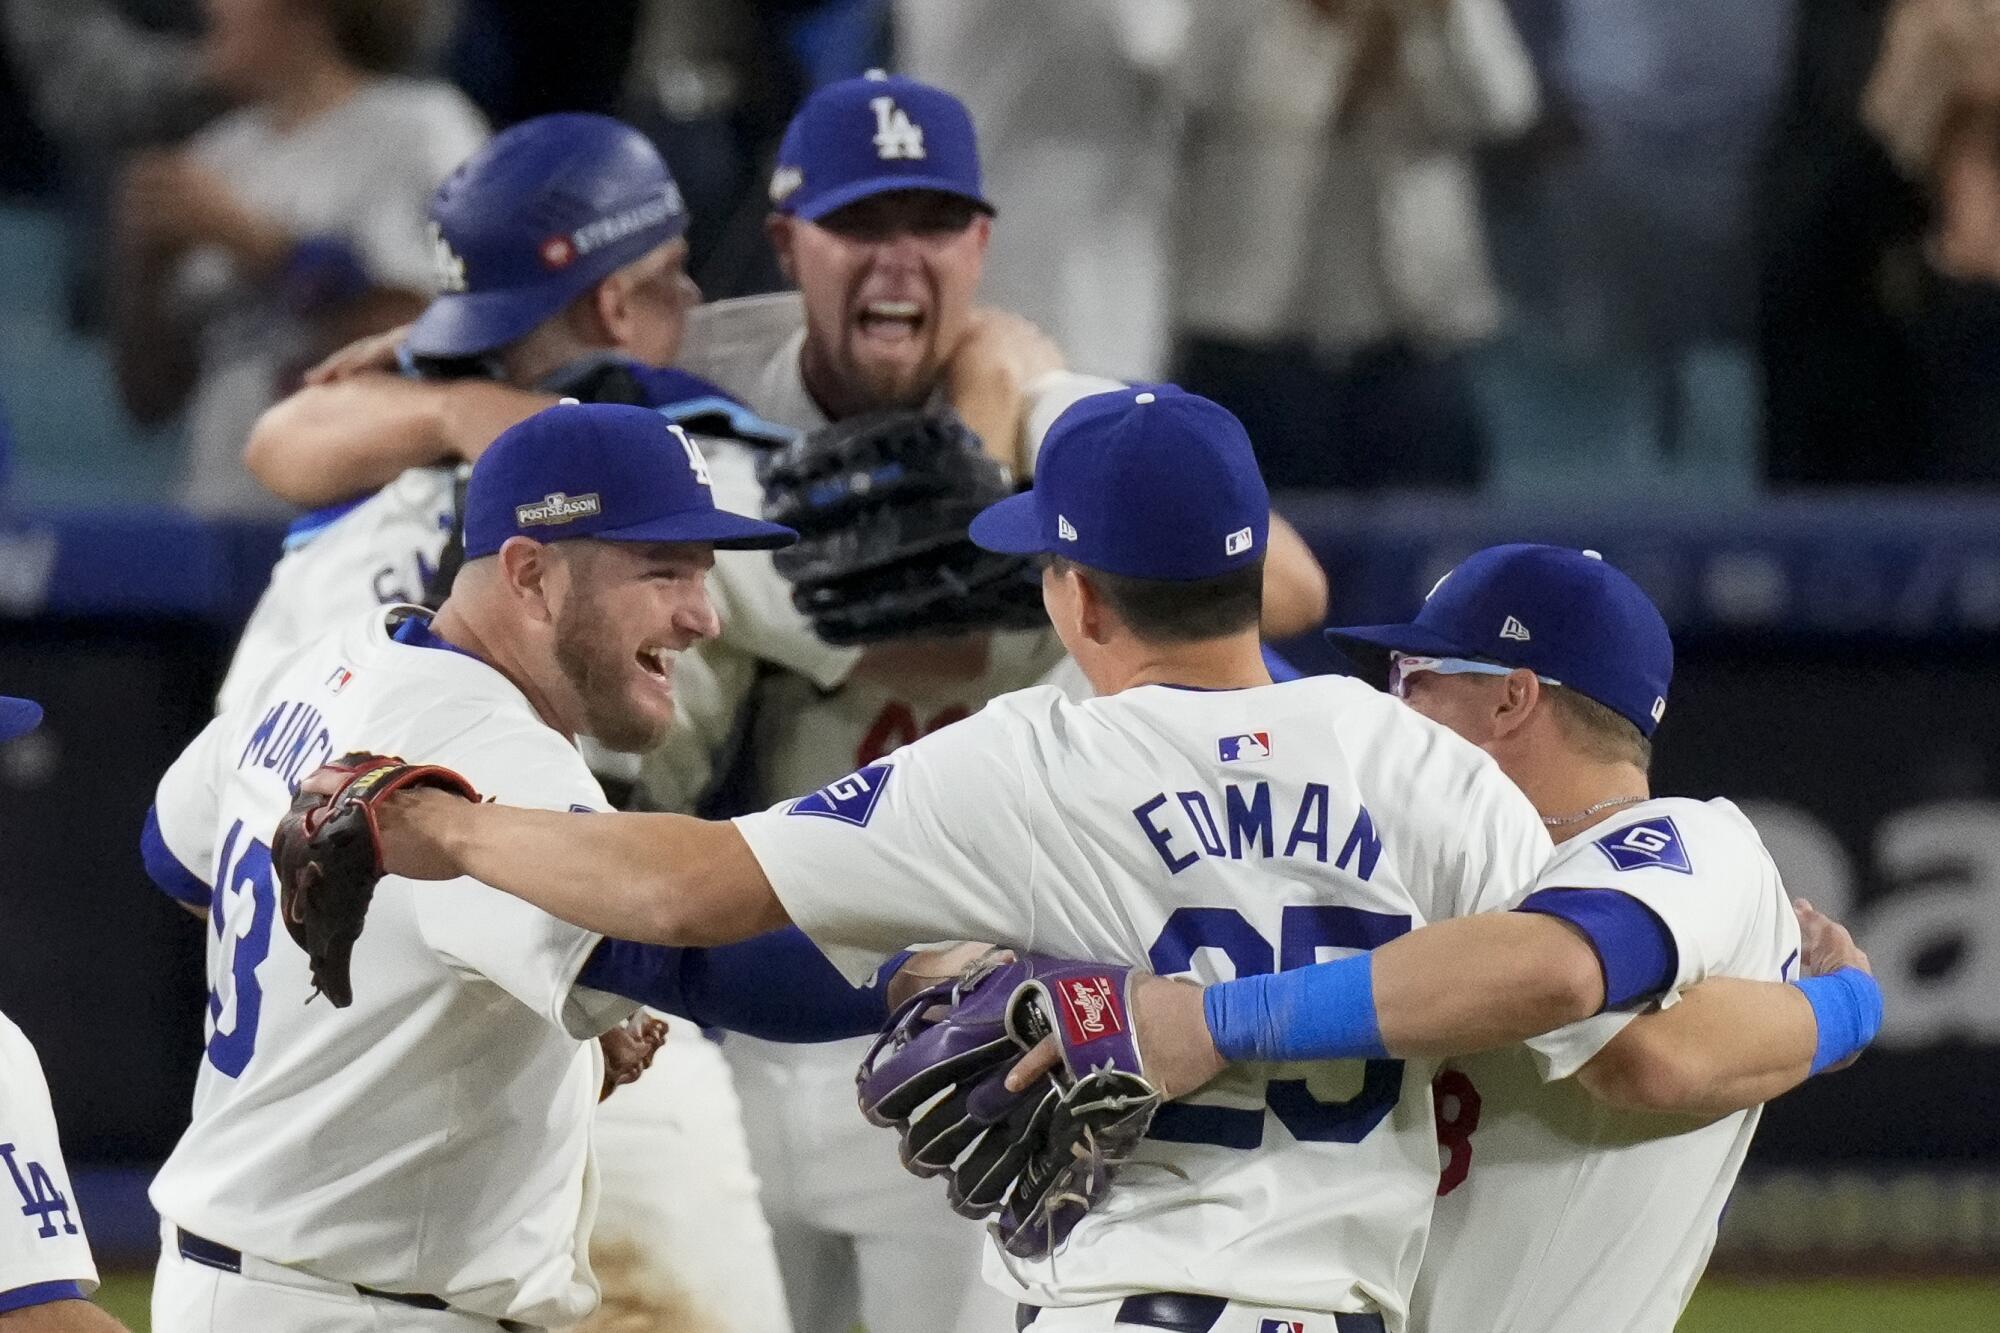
(44, 1255)
(1048, 396)
(479, 931)
(1499, 843)
(1660, 854)
(186, 801)
(910, 848)
(752, 599)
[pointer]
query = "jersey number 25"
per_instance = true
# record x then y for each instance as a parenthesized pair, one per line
(1302, 932)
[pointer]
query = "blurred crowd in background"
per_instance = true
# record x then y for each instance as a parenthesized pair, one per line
(1690, 251)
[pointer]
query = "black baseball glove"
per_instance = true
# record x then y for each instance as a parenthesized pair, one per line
(881, 503)
(328, 855)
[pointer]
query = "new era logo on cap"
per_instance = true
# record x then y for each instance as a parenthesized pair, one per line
(1065, 529)
(1245, 749)
(1515, 630)
(558, 508)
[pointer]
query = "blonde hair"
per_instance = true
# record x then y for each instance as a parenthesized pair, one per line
(1599, 732)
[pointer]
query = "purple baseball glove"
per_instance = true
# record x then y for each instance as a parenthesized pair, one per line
(1040, 1158)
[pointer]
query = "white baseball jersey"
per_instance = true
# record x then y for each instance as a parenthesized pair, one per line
(1558, 1214)
(338, 562)
(1193, 832)
(435, 1136)
(43, 1253)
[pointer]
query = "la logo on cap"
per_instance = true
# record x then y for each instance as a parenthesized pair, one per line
(896, 136)
(448, 268)
(696, 463)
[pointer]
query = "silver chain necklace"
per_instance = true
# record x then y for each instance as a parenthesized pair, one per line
(1560, 821)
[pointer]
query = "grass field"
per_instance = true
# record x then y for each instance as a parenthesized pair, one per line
(1721, 1306)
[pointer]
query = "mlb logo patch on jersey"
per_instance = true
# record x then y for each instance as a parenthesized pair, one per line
(1091, 1008)
(338, 680)
(1245, 749)
(1650, 842)
(850, 800)
(1282, 1326)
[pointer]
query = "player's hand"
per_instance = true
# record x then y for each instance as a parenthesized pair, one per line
(928, 968)
(1824, 944)
(629, 1049)
(327, 853)
(375, 353)
(988, 375)
(413, 832)
(1175, 1047)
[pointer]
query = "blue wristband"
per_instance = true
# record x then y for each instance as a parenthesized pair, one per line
(1847, 1005)
(1322, 1012)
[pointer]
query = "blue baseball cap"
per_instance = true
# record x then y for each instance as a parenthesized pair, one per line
(1567, 615)
(1151, 482)
(869, 136)
(602, 470)
(18, 717)
(534, 219)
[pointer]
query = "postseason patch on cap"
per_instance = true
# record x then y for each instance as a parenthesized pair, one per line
(1248, 748)
(851, 800)
(557, 508)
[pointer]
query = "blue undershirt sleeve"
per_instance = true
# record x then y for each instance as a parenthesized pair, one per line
(164, 868)
(777, 986)
(1634, 947)
(40, 1293)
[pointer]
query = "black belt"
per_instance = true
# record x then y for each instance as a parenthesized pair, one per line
(213, 1254)
(1179, 1312)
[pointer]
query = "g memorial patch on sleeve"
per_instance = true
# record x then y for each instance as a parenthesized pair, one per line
(1650, 842)
(851, 800)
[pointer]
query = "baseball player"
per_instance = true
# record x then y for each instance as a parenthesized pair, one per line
(46, 1273)
(884, 232)
(880, 218)
(559, 249)
(1095, 828)
(1565, 1206)
(421, 1159)
(559, 257)
(1192, 817)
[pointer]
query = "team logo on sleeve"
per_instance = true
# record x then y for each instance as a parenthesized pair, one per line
(1248, 748)
(850, 800)
(1650, 842)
